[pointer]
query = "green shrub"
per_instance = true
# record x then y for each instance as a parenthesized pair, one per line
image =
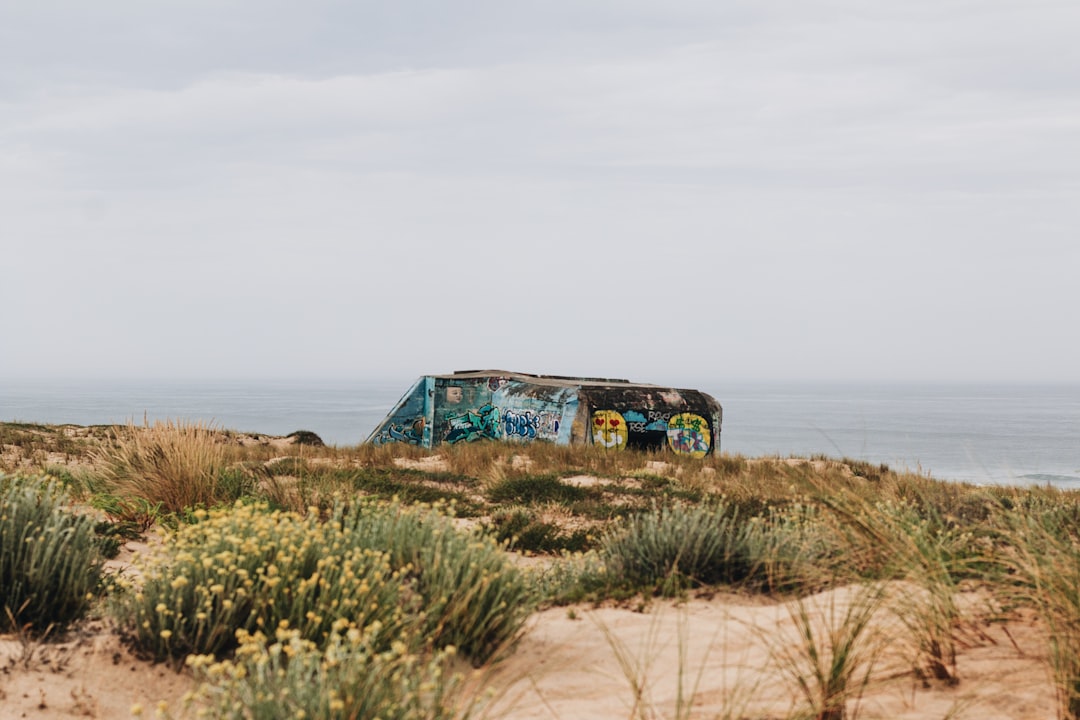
(253, 570)
(249, 569)
(676, 546)
(136, 515)
(306, 437)
(351, 678)
(670, 548)
(474, 597)
(531, 489)
(50, 560)
(521, 530)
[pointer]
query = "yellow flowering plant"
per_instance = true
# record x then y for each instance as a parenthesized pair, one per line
(247, 568)
(352, 676)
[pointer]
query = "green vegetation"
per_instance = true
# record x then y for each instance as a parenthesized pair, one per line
(402, 569)
(286, 676)
(341, 582)
(50, 559)
(249, 569)
(1046, 563)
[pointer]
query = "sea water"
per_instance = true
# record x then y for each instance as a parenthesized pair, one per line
(1016, 434)
(988, 434)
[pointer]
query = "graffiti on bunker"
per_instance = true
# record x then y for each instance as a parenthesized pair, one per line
(498, 405)
(528, 425)
(642, 429)
(685, 433)
(688, 434)
(411, 433)
(406, 422)
(473, 425)
(609, 429)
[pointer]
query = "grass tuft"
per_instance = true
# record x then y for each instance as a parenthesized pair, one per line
(175, 463)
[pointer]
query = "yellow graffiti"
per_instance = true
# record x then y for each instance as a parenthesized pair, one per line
(609, 429)
(688, 434)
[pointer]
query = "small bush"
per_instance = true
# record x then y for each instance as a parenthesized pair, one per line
(50, 559)
(351, 678)
(532, 489)
(676, 546)
(249, 569)
(523, 531)
(133, 515)
(831, 664)
(252, 570)
(671, 548)
(306, 437)
(474, 597)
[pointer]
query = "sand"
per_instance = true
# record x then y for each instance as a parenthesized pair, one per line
(583, 662)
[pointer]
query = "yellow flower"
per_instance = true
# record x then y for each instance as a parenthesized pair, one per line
(166, 634)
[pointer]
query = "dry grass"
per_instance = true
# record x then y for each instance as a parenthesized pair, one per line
(175, 463)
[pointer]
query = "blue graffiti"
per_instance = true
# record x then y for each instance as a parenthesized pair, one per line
(474, 425)
(413, 435)
(521, 424)
(528, 425)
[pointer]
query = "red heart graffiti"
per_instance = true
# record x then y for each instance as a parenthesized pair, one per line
(599, 422)
(614, 422)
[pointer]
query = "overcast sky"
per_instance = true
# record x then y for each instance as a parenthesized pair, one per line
(769, 189)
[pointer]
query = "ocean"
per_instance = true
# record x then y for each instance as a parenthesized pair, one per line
(987, 434)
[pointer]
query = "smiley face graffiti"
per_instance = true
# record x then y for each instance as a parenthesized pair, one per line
(609, 429)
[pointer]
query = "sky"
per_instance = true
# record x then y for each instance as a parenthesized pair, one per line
(767, 190)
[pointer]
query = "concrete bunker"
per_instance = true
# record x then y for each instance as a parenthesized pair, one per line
(520, 407)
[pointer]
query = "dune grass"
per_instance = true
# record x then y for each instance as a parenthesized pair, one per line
(832, 662)
(176, 464)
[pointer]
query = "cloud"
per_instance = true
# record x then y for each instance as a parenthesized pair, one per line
(733, 180)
